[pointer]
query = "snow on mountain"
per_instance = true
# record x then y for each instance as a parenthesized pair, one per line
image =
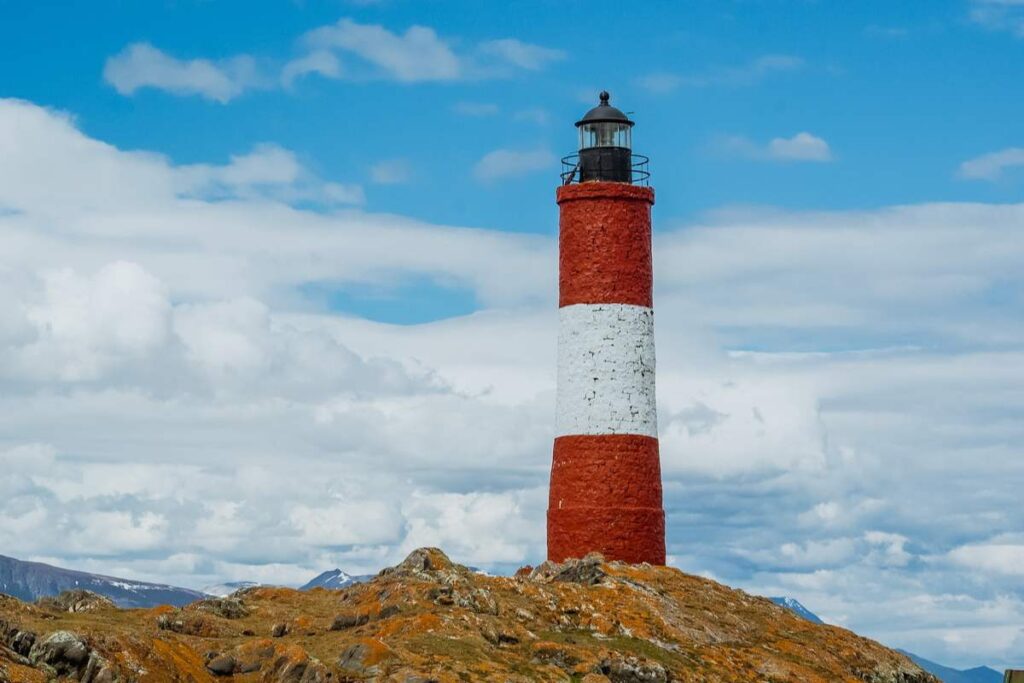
(222, 590)
(30, 581)
(335, 579)
(796, 608)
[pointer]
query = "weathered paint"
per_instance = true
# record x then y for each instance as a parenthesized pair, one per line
(632, 535)
(624, 468)
(604, 244)
(606, 491)
(606, 370)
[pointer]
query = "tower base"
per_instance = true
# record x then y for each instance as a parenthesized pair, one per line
(606, 497)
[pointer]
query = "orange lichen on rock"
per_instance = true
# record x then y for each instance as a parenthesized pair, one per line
(428, 619)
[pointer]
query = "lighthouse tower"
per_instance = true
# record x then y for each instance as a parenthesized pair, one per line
(605, 491)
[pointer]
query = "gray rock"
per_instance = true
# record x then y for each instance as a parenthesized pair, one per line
(60, 648)
(634, 670)
(221, 665)
(587, 571)
(279, 630)
(76, 601)
(229, 608)
(344, 621)
(18, 640)
(287, 671)
(353, 661)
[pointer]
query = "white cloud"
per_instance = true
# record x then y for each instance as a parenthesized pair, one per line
(1002, 15)
(520, 54)
(370, 50)
(746, 74)
(322, 62)
(419, 54)
(801, 147)
(482, 527)
(416, 55)
(999, 558)
(509, 163)
(839, 391)
(267, 171)
(140, 65)
(992, 165)
(353, 522)
(391, 172)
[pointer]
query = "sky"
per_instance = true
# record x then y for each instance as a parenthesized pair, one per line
(278, 290)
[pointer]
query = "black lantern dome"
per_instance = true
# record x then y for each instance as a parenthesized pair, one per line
(605, 147)
(604, 113)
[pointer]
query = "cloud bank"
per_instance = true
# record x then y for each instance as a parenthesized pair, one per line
(839, 392)
(343, 50)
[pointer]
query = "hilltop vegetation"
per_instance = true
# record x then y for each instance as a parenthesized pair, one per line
(429, 619)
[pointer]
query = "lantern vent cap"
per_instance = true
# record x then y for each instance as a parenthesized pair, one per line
(604, 113)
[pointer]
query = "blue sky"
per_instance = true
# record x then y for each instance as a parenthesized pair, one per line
(902, 93)
(287, 271)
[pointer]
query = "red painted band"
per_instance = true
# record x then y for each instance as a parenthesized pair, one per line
(631, 535)
(610, 470)
(604, 244)
(606, 496)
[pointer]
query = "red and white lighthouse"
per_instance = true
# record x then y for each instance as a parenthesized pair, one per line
(606, 491)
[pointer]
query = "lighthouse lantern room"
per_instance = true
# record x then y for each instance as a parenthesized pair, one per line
(605, 151)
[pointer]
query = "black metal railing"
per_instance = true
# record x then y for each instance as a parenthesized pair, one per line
(638, 173)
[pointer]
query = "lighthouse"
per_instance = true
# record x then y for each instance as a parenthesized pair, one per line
(605, 493)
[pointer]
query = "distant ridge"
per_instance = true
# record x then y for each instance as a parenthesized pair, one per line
(796, 608)
(30, 581)
(222, 590)
(981, 674)
(335, 579)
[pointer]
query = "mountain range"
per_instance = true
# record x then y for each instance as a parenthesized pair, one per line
(30, 581)
(335, 579)
(980, 674)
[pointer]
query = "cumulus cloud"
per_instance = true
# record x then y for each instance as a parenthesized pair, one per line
(991, 166)
(801, 147)
(267, 171)
(322, 62)
(520, 54)
(999, 558)
(1001, 15)
(830, 383)
(346, 49)
(509, 163)
(419, 54)
(140, 65)
(746, 74)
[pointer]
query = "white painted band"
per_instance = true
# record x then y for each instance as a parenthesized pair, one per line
(606, 370)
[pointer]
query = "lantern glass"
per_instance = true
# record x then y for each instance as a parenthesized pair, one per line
(605, 134)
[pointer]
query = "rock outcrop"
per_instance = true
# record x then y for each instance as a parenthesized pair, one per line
(429, 619)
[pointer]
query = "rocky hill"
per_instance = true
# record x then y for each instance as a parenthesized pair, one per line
(428, 619)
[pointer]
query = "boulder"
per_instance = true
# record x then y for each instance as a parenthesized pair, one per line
(228, 608)
(77, 600)
(67, 654)
(345, 621)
